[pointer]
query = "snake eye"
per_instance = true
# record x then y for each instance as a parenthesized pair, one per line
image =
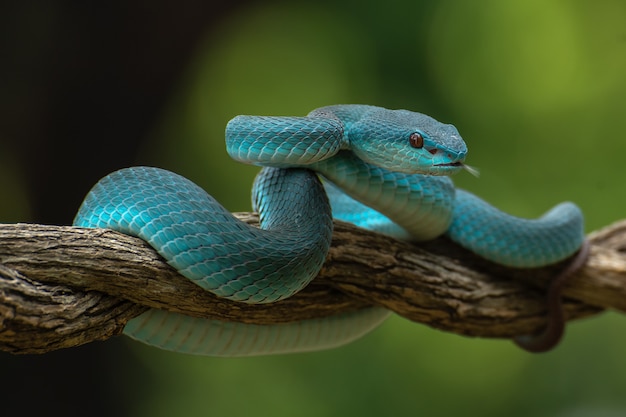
(416, 140)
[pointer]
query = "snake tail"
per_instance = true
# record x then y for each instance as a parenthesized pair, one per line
(553, 332)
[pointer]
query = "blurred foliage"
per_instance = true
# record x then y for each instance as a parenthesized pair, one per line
(537, 90)
(14, 208)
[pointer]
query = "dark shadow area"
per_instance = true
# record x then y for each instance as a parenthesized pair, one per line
(82, 84)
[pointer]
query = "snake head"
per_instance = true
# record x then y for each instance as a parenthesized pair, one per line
(408, 142)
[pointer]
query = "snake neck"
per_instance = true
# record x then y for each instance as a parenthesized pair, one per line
(420, 204)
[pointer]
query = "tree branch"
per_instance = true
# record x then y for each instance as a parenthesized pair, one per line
(63, 286)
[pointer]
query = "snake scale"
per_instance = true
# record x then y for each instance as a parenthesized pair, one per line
(385, 170)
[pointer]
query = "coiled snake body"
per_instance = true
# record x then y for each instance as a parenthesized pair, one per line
(384, 169)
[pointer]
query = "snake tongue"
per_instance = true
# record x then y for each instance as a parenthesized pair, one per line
(474, 171)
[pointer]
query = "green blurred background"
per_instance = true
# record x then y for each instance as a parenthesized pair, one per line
(537, 89)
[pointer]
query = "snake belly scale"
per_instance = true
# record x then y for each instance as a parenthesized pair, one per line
(386, 170)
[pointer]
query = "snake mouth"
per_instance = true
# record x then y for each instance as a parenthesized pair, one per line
(448, 168)
(450, 164)
(455, 166)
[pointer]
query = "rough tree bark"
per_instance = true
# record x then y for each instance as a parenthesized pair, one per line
(63, 286)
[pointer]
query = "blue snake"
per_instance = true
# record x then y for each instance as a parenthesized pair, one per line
(386, 170)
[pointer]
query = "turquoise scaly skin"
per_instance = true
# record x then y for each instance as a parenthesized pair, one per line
(206, 243)
(385, 169)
